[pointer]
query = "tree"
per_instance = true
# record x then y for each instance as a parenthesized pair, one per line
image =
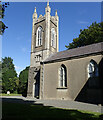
(9, 75)
(13, 84)
(23, 81)
(0, 71)
(0, 76)
(2, 11)
(93, 34)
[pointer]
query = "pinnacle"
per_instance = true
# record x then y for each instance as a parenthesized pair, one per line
(35, 10)
(48, 7)
(48, 3)
(56, 13)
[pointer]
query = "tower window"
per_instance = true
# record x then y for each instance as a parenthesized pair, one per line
(39, 36)
(62, 76)
(53, 38)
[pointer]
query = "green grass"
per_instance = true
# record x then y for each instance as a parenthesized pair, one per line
(18, 111)
(12, 94)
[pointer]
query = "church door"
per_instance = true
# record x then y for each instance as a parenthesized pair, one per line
(37, 85)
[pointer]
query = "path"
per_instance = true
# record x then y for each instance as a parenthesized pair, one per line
(67, 104)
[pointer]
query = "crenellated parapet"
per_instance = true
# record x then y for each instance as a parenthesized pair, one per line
(47, 16)
(54, 20)
(41, 18)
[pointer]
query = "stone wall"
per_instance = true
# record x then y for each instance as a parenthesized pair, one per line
(33, 79)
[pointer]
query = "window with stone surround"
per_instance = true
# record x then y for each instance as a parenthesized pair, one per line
(53, 38)
(39, 36)
(92, 70)
(62, 76)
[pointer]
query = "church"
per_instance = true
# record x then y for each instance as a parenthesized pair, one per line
(75, 74)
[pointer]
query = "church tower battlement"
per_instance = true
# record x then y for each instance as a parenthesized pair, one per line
(44, 43)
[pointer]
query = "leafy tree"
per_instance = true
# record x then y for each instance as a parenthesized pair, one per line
(23, 81)
(9, 75)
(12, 84)
(0, 70)
(0, 76)
(93, 34)
(2, 11)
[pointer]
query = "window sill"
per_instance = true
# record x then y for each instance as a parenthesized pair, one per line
(38, 46)
(37, 61)
(62, 88)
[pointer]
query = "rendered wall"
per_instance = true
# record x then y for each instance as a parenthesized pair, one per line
(76, 77)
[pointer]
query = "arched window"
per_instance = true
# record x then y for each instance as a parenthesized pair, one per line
(62, 76)
(53, 38)
(39, 36)
(93, 74)
(92, 69)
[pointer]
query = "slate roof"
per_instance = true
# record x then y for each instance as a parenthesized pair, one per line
(76, 52)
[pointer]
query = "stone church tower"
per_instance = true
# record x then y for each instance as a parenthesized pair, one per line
(44, 43)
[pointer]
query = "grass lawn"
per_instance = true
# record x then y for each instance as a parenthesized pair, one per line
(18, 111)
(12, 94)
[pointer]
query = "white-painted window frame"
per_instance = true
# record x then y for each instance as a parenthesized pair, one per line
(92, 69)
(62, 77)
(53, 38)
(39, 36)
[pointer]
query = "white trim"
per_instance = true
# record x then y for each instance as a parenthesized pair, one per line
(62, 77)
(92, 69)
(33, 89)
(39, 36)
(53, 38)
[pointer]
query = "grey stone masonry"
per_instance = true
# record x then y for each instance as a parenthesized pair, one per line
(43, 49)
(32, 80)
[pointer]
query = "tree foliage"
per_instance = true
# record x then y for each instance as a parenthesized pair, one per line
(0, 76)
(2, 11)
(93, 34)
(23, 81)
(9, 75)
